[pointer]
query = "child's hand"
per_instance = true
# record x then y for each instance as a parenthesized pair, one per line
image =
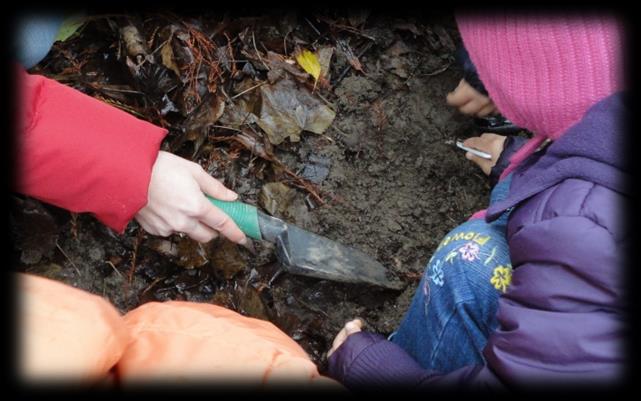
(489, 143)
(176, 202)
(470, 101)
(351, 327)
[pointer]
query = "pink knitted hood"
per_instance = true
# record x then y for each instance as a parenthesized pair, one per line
(544, 71)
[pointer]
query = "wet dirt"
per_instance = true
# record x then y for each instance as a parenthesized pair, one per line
(392, 185)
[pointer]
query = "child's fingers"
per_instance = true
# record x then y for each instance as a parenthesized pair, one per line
(472, 107)
(338, 340)
(486, 110)
(353, 326)
(461, 95)
(213, 187)
(221, 222)
(484, 164)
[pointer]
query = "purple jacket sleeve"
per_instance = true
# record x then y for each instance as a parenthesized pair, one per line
(358, 361)
(557, 323)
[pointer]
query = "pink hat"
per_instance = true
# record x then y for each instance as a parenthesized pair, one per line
(543, 72)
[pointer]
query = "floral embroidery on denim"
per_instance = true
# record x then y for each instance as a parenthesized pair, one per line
(489, 258)
(502, 277)
(469, 251)
(437, 275)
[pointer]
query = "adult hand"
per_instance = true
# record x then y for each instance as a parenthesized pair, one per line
(470, 101)
(351, 327)
(488, 143)
(177, 202)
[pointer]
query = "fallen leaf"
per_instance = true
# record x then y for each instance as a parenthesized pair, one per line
(324, 55)
(226, 258)
(275, 198)
(206, 116)
(278, 65)
(69, 27)
(309, 62)
(167, 56)
(287, 110)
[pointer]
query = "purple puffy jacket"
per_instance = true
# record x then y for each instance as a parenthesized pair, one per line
(562, 319)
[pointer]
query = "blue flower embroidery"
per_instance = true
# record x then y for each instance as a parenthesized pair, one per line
(437, 275)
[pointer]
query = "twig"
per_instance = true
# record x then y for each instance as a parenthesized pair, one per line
(327, 102)
(440, 70)
(313, 27)
(156, 281)
(109, 89)
(68, 258)
(257, 52)
(347, 28)
(222, 89)
(247, 90)
(132, 269)
(349, 66)
(114, 267)
(225, 127)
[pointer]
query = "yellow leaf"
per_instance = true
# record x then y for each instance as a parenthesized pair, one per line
(309, 62)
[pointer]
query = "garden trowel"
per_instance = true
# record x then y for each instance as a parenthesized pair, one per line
(302, 252)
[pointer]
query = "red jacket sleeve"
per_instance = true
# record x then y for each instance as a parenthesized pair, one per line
(81, 154)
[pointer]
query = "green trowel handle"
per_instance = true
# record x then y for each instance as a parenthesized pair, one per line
(245, 216)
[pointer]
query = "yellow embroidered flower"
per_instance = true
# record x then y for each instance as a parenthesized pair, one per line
(502, 277)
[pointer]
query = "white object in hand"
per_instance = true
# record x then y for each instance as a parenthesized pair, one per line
(474, 151)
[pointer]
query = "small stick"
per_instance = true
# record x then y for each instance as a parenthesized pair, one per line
(114, 267)
(247, 90)
(258, 53)
(68, 258)
(312, 25)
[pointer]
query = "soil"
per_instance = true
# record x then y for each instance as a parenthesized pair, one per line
(392, 183)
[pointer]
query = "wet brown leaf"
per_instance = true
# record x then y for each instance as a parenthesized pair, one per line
(287, 110)
(184, 252)
(167, 56)
(226, 258)
(224, 299)
(278, 65)
(198, 123)
(275, 197)
(251, 303)
(163, 246)
(324, 55)
(238, 114)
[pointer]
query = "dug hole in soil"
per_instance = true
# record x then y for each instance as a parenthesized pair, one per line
(383, 177)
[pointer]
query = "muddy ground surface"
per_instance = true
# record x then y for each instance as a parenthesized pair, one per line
(391, 185)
